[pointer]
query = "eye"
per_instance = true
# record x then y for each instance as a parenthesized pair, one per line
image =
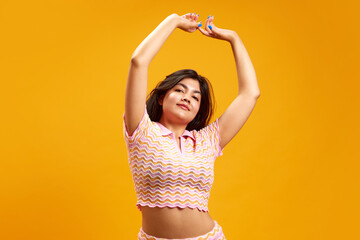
(179, 90)
(196, 98)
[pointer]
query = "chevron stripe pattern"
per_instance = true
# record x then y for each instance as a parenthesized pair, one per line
(165, 175)
(215, 234)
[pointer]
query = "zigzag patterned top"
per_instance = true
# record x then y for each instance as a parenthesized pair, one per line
(166, 175)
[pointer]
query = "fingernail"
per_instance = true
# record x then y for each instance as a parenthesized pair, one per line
(200, 25)
(210, 27)
(209, 16)
(198, 14)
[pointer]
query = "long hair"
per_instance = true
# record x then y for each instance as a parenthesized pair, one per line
(207, 103)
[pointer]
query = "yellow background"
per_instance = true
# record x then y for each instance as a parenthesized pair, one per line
(292, 172)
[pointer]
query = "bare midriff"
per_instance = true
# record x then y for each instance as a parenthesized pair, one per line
(166, 222)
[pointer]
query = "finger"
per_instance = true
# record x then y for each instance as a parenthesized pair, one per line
(214, 30)
(194, 24)
(204, 32)
(211, 24)
(187, 16)
(191, 18)
(207, 23)
(211, 19)
(196, 17)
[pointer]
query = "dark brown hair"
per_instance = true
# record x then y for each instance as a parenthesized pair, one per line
(207, 103)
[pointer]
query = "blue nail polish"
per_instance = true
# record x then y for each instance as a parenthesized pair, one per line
(210, 27)
(209, 16)
(200, 25)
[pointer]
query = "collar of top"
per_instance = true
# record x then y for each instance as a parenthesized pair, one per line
(165, 132)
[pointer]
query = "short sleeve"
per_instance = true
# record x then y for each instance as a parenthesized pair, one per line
(139, 131)
(212, 135)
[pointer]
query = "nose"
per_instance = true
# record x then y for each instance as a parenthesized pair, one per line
(186, 99)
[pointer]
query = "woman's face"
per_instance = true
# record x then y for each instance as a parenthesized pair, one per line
(181, 103)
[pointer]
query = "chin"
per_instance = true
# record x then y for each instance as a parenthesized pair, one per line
(183, 120)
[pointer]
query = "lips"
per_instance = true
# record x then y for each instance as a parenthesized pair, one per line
(183, 107)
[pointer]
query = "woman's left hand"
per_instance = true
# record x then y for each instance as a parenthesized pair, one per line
(212, 31)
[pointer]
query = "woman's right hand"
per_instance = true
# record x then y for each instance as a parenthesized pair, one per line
(188, 22)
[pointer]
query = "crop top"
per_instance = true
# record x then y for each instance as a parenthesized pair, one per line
(166, 175)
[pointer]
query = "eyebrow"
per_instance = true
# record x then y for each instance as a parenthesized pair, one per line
(186, 87)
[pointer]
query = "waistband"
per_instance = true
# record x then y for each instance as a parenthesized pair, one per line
(215, 234)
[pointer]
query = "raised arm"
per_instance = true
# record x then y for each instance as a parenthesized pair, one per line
(235, 116)
(136, 86)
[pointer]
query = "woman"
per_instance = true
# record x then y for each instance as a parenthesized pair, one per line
(171, 145)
